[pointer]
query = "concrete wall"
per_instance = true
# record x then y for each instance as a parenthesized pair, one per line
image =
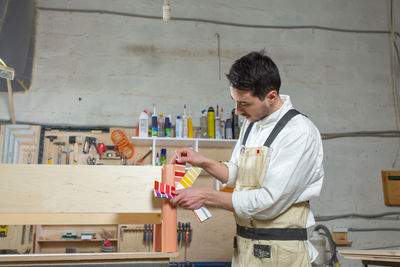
(102, 69)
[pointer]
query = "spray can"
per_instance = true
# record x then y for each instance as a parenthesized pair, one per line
(222, 128)
(154, 122)
(235, 125)
(228, 129)
(217, 125)
(143, 124)
(203, 124)
(210, 123)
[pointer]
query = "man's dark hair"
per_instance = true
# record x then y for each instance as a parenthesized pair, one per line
(255, 72)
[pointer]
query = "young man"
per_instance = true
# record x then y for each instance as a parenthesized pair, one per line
(276, 168)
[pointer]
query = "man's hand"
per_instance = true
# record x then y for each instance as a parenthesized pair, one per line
(189, 198)
(190, 156)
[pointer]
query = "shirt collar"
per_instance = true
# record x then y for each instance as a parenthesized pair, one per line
(274, 117)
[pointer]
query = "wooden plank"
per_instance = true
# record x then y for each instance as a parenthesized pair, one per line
(392, 253)
(80, 219)
(71, 189)
(383, 256)
(82, 258)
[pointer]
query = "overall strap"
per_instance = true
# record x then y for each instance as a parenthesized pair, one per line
(279, 126)
(246, 134)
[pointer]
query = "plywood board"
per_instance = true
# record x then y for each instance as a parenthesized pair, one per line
(86, 258)
(69, 189)
(372, 255)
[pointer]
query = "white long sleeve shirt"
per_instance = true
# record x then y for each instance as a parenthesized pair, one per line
(295, 172)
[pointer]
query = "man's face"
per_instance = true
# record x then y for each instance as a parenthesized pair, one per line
(251, 107)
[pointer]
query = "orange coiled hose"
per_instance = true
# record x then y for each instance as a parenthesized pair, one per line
(125, 149)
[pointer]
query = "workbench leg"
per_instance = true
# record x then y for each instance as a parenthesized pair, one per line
(165, 234)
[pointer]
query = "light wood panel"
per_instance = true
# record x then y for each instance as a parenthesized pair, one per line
(68, 189)
(388, 256)
(86, 258)
(80, 219)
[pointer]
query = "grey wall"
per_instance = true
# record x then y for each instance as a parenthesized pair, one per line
(102, 69)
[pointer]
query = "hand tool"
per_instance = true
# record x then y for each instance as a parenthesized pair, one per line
(8, 74)
(50, 149)
(151, 233)
(179, 233)
(67, 151)
(121, 232)
(23, 234)
(186, 238)
(3, 230)
(89, 141)
(59, 144)
(101, 148)
(72, 141)
(30, 233)
(187, 234)
(139, 161)
(145, 234)
(190, 234)
(91, 160)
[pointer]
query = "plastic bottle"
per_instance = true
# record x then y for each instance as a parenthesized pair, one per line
(319, 243)
(154, 122)
(210, 123)
(143, 124)
(167, 126)
(157, 163)
(203, 124)
(178, 127)
(190, 126)
(217, 125)
(163, 158)
(235, 125)
(185, 123)
(228, 129)
(161, 125)
(222, 128)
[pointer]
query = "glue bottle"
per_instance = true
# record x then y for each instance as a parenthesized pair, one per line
(161, 125)
(163, 158)
(143, 124)
(210, 123)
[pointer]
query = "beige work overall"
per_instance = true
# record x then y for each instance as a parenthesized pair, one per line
(253, 163)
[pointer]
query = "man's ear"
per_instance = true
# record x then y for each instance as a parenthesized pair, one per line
(272, 96)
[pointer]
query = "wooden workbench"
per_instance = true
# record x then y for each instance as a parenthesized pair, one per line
(34, 194)
(82, 258)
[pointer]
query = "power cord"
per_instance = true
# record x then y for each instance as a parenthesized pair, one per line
(333, 261)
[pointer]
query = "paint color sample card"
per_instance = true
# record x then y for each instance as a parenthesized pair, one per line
(189, 178)
(163, 190)
(179, 172)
